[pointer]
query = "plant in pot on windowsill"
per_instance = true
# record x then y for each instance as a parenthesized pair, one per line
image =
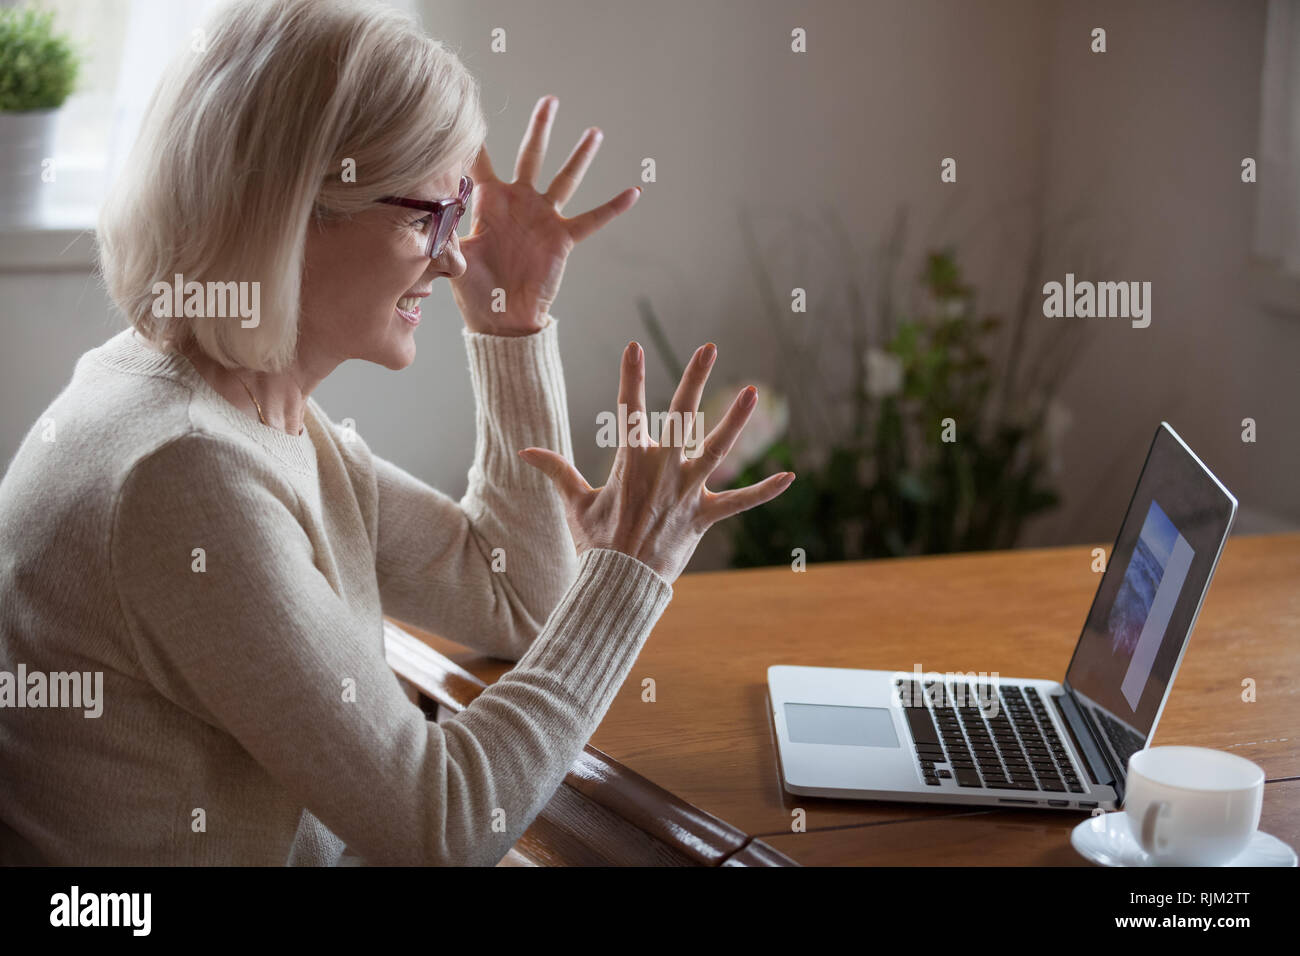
(38, 68)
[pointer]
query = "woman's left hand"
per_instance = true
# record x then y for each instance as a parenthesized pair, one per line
(518, 241)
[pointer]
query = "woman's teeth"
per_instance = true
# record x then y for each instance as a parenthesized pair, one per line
(409, 304)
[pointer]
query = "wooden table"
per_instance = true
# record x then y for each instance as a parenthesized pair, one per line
(708, 735)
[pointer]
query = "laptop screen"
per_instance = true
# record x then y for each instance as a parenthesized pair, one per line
(1148, 598)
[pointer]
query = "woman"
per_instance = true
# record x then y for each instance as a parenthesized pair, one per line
(187, 526)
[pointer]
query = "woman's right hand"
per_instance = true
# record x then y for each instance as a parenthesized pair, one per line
(654, 506)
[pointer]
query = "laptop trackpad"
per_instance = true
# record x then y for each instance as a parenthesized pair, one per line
(848, 726)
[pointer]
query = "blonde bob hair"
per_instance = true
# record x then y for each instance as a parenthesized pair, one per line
(248, 140)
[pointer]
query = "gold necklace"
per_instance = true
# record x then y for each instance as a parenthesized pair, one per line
(260, 417)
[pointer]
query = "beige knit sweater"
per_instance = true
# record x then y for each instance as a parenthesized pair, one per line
(227, 580)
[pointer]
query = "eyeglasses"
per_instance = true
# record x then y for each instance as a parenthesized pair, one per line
(446, 214)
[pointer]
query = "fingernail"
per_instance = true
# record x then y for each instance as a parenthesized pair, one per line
(710, 353)
(749, 397)
(789, 477)
(636, 353)
(639, 190)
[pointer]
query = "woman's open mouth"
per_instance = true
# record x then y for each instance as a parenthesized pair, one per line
(409, 309)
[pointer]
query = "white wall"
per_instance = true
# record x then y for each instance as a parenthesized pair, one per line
(1162, 121)
(711, 91)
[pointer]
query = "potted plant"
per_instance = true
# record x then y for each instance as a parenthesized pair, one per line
(877, 478)
(38, 69)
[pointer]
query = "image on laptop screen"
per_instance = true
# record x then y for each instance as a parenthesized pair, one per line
(1146, 600)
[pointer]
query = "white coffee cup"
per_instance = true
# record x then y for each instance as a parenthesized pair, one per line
(1192, 806)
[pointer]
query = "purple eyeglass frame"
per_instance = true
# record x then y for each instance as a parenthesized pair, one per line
(443, 224)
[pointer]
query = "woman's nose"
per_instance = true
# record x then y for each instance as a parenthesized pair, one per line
(451, 262)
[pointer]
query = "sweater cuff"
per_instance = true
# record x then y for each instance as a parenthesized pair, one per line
(595, 633)
(519, 400)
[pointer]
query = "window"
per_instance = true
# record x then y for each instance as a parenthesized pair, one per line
(127, 44)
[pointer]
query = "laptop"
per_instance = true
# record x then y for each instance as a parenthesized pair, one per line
(983, 739)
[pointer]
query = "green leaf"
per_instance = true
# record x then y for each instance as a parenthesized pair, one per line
(38, 68)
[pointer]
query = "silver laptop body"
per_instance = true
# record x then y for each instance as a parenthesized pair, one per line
(977, 739)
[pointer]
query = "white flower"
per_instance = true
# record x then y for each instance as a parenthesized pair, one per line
(884, 374)
(1056, 423)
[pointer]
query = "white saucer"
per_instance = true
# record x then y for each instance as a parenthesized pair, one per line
(1107, 839)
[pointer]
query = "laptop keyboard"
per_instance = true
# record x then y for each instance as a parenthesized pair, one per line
(1125, 741)
(1015, 749)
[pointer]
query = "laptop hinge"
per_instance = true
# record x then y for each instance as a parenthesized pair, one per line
(1080, 728)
